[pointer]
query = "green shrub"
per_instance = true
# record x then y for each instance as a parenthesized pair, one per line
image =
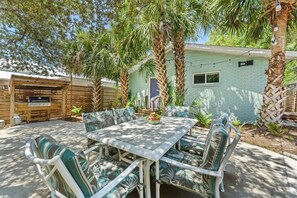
(77, 110)
(276, 129)
(236, 123)
(204, 120)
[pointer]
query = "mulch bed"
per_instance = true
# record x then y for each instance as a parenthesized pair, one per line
(260, 137)
(74, 119)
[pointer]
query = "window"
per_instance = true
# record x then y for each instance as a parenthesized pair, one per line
(206, 78)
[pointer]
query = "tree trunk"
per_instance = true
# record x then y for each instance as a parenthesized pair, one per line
(273, 98)
(124, 78)
(97, 100)
(179, 59)
(159, 53)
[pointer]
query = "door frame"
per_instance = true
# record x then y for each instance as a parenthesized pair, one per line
(149, 90)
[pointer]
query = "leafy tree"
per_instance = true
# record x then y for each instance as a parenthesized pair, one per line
(251, 18)
(290, 75)
(32, 32)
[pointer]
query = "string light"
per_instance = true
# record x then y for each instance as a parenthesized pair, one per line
(273, 40)
(275, 27)
(216, 63)
(278, 6)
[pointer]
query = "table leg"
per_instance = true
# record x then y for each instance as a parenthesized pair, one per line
(147, 179)
(157, 180)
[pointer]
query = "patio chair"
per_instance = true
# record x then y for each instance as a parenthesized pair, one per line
(124, 115)
(98, 120)
(69, 174)
(196, 145)
(198, 174)
(179, 111)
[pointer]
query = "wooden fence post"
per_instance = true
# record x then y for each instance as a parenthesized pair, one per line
(12, 105)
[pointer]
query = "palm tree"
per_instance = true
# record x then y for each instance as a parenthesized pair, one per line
(152, 22)
(186, 17)
(93, 56)
(71, 62)
(252, 17)
(126, 55)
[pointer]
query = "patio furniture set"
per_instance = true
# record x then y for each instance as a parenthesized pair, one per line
(125, 152)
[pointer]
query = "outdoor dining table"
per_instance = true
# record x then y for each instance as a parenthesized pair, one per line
(145, 140)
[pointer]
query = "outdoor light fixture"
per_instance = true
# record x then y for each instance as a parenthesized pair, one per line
(278, 6)
(245, 63)
(275, 28)
(273, 40)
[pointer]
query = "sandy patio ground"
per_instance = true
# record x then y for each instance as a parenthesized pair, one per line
(251, 172)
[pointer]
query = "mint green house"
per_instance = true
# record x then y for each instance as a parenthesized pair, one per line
(224, 79)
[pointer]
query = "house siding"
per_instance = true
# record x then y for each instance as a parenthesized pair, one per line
(239, 90)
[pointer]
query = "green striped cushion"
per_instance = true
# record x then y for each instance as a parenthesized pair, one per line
(76, 164)
(213, 154)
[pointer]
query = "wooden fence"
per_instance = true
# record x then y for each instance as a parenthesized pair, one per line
(76, 96)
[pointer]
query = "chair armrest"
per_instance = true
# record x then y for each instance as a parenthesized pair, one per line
(37, 160)
(192, 168)
(187, 137)
(118, 179)
(192, 140)
(87, 151)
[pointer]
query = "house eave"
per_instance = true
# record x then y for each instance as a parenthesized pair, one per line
(236, 51)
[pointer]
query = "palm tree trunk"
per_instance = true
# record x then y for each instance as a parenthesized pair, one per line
(179, 59)
(124, 78)
(273, 98)
(159, 53)
(97, 100)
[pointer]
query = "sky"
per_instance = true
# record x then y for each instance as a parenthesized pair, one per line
(203, 39)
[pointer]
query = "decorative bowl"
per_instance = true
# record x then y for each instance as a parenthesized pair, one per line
(153, 122)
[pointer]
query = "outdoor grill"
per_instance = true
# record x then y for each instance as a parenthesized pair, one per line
(35, 101)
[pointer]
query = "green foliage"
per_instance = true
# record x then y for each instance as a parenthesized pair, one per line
(33, 32)
(276, 129)
(179, 100)
(236, 123)
(204, 119)
(116, 103)
(225, 39)
(132, 103)
(290, 72)
(77, 110)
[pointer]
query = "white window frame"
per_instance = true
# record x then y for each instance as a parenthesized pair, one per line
(206, 83)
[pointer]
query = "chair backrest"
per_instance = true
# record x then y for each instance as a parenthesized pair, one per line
(98, 120)
(215, 148)
(124, 115)
(66, 174)
(230, 148)
(217, 153)
(178, 111)
(221, 121)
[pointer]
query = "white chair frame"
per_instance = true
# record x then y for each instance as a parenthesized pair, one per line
(32, 154)
(218, 174)
(216, 122)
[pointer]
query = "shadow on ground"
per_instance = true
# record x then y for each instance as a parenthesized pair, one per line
(251, 172)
